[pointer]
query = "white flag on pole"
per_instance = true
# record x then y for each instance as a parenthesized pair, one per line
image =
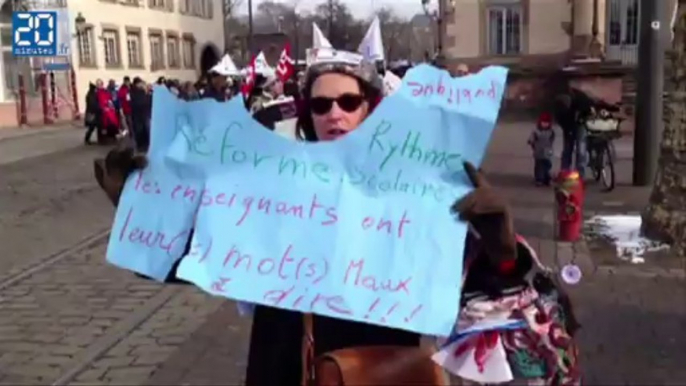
(318, 38)
(371, 46)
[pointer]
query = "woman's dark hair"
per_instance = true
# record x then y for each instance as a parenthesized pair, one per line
(305, 127)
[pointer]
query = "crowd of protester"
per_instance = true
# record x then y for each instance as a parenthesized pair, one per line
(116, 110)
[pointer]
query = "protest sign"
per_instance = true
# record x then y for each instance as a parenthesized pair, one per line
(358, 228)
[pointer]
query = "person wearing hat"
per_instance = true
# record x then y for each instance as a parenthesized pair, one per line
(541, 141)
(337, 98)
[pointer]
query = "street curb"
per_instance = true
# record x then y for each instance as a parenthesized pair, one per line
(30, 132)
(578, 254)
(643, 272)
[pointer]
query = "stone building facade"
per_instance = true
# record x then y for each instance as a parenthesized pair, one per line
(596, 40)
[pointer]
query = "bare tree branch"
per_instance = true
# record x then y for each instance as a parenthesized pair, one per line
(230, 7)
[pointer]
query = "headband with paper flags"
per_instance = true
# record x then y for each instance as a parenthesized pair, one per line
(324, 60)
(331, 55)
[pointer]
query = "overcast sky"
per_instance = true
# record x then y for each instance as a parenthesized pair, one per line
(360, 8)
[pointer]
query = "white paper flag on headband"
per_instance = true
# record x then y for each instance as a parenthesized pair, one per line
(262, 67)
(318, 38)
(226, 67)
(371, 46)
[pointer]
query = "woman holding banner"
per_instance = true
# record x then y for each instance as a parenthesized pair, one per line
(337, 97)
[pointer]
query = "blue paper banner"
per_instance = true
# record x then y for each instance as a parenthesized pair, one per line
(358, 228)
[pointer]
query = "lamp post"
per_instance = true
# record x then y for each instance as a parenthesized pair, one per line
(438, 19)
(79, 22)
(250, 31)
(296, 38)
(445, 8)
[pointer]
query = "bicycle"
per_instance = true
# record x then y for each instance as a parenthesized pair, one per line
(601, 133)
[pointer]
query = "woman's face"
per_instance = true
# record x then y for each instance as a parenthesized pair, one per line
(337, 106)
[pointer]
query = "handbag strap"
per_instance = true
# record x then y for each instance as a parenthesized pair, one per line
(308, 350)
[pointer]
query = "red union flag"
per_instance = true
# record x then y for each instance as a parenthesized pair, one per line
(249, 81)
(286, 67)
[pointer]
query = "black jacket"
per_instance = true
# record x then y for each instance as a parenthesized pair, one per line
(579, 108)
(213, 93)
(141, 104)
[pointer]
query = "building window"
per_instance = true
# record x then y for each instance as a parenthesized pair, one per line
(199, 8)
(173, 56)
(156, 52)
(632, 23)
(184, 6)
(9, 62)
(209, 9)
(188, 52)
(156, 3)
(504, 30)
(110, 39)
(134, 49)
(623, 23)
(86, 47)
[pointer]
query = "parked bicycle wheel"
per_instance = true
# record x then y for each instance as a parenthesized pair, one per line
(593, 164)
(606, 169)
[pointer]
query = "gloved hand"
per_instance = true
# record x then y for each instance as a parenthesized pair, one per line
(490, 216)
(112, 171)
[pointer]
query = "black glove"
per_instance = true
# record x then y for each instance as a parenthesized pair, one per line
(112, 171)
(490, 216)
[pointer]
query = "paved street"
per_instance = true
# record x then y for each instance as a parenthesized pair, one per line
(29, 142)
(633, 317)
(66, 317)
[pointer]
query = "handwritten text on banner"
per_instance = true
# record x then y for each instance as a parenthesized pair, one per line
(358, 228)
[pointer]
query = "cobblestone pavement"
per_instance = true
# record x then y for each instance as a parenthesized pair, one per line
(66, 316)
(48, 203)
(633, 316)
(82, 321)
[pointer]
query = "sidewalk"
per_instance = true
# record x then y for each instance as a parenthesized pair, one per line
(632, 322)
(27, 131)
(23, 143)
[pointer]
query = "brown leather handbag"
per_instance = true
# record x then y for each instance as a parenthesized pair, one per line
(369, 365)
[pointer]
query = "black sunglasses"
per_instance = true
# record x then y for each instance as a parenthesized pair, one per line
(347, 103)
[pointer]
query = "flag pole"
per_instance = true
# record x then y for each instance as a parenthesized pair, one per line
(250, 30)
